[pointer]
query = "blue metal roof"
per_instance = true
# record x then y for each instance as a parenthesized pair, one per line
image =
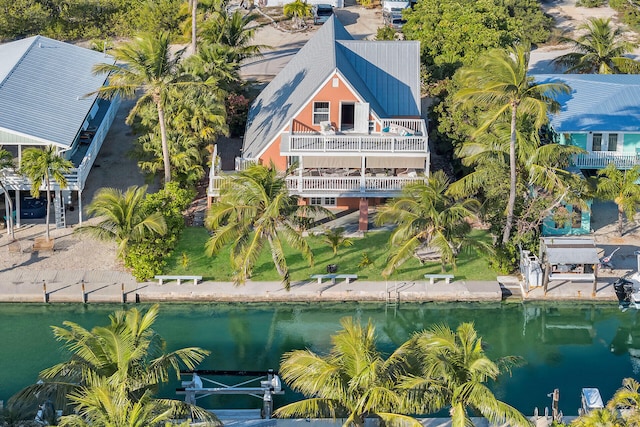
(384, 74)
(43, 88)
(597, 102)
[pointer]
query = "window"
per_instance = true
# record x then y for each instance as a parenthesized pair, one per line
(320, 112)
(322, 201)
(613, 142)
(576, 218)
(597, 142)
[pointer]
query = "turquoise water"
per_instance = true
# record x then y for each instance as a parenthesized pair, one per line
(565, 346)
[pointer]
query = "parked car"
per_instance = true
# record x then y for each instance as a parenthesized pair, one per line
(393, 19)
(321, 13)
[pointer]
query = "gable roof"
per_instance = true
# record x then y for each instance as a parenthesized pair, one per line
(384, 74)
(597, 102)
(43, 83)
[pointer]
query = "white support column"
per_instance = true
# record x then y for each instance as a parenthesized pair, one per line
(17, 209)
(7, 213)
(80, 206)
(362, 174)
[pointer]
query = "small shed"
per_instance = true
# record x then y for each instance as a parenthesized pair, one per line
(569, 259)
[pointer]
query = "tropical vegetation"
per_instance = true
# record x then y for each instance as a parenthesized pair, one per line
(600, 49)
(335, 237)
(427, 216)
(255, 209)
(622, 188)
(41, 166)
(501, 84)
(353, 381)
(297, 10)
(435, 369)
(113, 372)
(120, 217)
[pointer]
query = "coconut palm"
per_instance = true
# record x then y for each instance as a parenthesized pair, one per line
(622, 188)
(353, 381)
(427, 216)
(500, 84)
(255, 209)
(453, 372)
(603, 417)
(6, 165)
(600, 49)
(148, 65)
(298, 10)
(45, 164)
(121, 218)
(627, 399)
(334, 237)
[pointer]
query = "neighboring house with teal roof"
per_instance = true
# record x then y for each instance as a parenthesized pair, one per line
(602, 116)
(44, 101)
(347, 114)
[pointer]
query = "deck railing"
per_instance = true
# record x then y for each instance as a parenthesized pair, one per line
(600, 160)
(358, 143)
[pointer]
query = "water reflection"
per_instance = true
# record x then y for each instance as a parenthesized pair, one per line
(566, 346)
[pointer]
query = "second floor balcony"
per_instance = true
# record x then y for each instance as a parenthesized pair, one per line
(404, 136)
(600, 160)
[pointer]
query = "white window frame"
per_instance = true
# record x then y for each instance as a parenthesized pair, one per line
(604, 143)
(320, 116)
(323, 201)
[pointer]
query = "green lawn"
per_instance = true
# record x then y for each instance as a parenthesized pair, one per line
(471, 266)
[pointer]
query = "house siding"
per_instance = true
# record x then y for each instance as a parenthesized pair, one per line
(272, 154)
(577, 139)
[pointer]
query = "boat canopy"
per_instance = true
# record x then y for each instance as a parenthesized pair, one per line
(591, 399)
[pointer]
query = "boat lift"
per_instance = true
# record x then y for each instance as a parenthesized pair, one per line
(269, 380)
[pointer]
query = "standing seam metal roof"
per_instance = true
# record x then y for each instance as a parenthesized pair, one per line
(384, 74)
(43, 93)
(597, 102)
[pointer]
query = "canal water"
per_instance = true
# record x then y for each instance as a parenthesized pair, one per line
(565, 346)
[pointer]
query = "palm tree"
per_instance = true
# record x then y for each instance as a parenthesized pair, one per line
(7, 164)
(453, 371)
(121, 217)
(193, 7)
(235, 30)
(335, 238)
(40, 165)
(603, 417)
(500, 83)
(151, 66)
(255, 209)
(427, 216)
(600, 49)
(354, 380)
(622, 188)
(113, 371)
(627, 398)
(297, 9)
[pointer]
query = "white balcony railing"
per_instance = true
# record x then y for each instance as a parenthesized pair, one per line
(600, 160)
(348, 184)
(357, 143)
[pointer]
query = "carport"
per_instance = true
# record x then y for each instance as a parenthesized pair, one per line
(569, 259)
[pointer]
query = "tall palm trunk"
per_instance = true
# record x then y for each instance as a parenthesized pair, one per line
(282, 272)
(194, 26)
(10, 216)
(163, 138)
(47, 183)
(513, 178)
(620, 220)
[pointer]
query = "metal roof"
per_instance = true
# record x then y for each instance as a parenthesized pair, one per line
(597, 102)
(384, 74)
(570, 250)
(43, 88)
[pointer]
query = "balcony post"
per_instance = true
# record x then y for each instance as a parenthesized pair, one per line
(362, 174)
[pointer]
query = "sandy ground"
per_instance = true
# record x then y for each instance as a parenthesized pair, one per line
(114, 168)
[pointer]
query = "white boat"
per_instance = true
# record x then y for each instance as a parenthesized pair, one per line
(591, 400)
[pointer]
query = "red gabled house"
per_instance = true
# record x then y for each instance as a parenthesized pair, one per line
(347, 113)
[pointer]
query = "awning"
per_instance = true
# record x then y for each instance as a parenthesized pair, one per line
(559, 250)
(396, 162)
(332, 162)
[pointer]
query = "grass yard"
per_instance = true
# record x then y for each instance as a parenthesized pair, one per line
(189, 258)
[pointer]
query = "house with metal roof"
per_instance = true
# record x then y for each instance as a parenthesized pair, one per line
(47, 98)
(347, 114)
(601, 114)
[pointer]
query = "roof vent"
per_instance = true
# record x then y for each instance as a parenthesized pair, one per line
(40, 45)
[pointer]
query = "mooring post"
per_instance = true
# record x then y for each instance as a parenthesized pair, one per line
(84, 295)
(44, 292)
(124, 296)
